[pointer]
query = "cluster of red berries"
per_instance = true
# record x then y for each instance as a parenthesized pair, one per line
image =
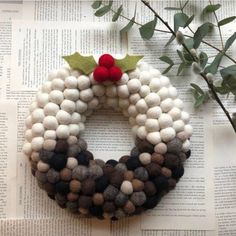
(106, 69)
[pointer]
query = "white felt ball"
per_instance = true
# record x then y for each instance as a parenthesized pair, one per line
(154, 137)
(28, 135)
(175, 113)
(81, 126)
(58, 84)
(152, 125)
(142, 132)
(27, 149)
(52, 75)
(72, 140)
(56, 96)
(179, 103)
(141, 119)
(49, 144)
(50, 134)
(154, 112)
(37, 143)
(165, 120)
(185, 117)
(46, 88)
(188, 130)
(155, 84)
(167, 134)
(145, 77)
(132, 121)
(141, 106)
(134, 85)
(37, 115)
(37, 129)
(122, 91)
(173, 92)
(112, 102)
(134, 74)
(28, 122)
(132, 110)
(155, 73)
(51, 109)
(71, 94)
(134, 98)
(81, 106)
(71, 163)
(68, 106)
(160, 148)
(83, 82)
(93, 104)
(143, 66)
(62, 131)
(167, 104)
(86, 95)
(111, 91)
(123, 103)
(165, 82)
(92, 80)
(71, 82)
(126, 187)
(145, 158)
(42, 166)
(75, 73)
(62, 73)
(186, 146)
(152, 99)
(50, 122)
(33, 106)
(75, 118)
(98, 90)
(163, 93)
(35, 156)
(123, 80)
(74, 129)
(178, 125)
(63, 117)
(144, 91)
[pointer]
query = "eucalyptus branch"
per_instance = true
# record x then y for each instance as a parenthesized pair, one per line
(210, 85)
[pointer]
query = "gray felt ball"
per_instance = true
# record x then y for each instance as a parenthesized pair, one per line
(121, 167)
(53, 176)
(141, 174)
(138, 198)
(80, 172)
(46, 156)
(41, 176)
(110, 193)
(82, 144)
(121, 199)
(100, 162)
(174, 146)
(120, 214)
(73, 150)
(95, 171)
(134, 152)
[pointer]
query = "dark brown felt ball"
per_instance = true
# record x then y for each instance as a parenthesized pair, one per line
(49, 188)
(172, 183)
(137, 184)
(129, 207)
(75, 186)
(157, 158)
(129, 175)
(116, 178)
(88, 187)
(124, 159)
(61, 146)
(144, 146)
(166, 172)
(98, 199)
(72, 196)
(108, 170)
(150, 188)
(109, 207)
(65, 174)
(85, 201)
(171, 160)
(153, 169)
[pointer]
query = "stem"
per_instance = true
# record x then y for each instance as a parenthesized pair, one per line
(210, 86)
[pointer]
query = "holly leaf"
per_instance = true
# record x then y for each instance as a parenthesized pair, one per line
(78, 62)
(128, 62)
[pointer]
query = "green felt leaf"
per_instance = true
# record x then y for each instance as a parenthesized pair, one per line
(230, 41)
(96, 4)
(172, 38)
(180, 20)
(84, 63)
(128, 26)
(201, 32)
(167, 60)
(213, 67)
(117, 14)
(172, 8)
(226, 20)
(197, 88)
(128, 62)
(102, 11)
(167, 69)
(147, 30)
(211, 8)
(203, 59)
(181, 67)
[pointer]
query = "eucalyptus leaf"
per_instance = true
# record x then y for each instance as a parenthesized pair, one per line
(181, 56)
(167, 69)
(226, 20)
(128, 26)
(102, 11)
(96, 4)
(185, 4)
(197, 88)
(172, 38)
(201, 32)
(190, 19)
(222, 89)
(189, 43)
(211, 8)
(199, 101)
(181, 67)
(147, 30)
(213, 67)
(203, 59)
(128, 62)
(117, 14)
(180, 20)
(230, 41)
(167, 60)
(228, 72)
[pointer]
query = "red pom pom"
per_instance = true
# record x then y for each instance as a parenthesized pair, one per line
(115, 73)
(101, 74)
(106, 60)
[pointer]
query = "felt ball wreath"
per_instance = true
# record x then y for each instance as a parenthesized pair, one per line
(68, 171)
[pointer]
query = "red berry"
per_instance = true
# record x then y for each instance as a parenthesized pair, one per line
(101, 74)
(106, 60)
(115, 73)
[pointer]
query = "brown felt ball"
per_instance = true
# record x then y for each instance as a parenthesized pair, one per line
(116, 178)
(129, 207)
(85, 201)
(138, 198)
(129, 175)
(137, 185)
(65, 174)
(61, 146)
(171, 160)
(49, 188)
(150, 188)
(144, 146)
(157, 158)
(109, 207)
(166, 172)
(75, 186)
(123, 159)
(72, 196)
(98, 199)
(153, 169)
(88, 187)
(172, 183)
(108, 170)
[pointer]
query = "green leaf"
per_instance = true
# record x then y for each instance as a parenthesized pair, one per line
(167, 60)
(181, 67)
(128, 62)
(197, 88)
(102, 11)
(211, 8)
(213, 67)
(167, 69)
(203, 59)
(229, 78)
(128, 26)
(199, 101)
(181, 56)
(96, 4)
(147, 30)
(180, 20)
(110, 3)
(172, 8)
(190, 19)
(201, 32)
(189, 43)
(78, 62)
(226, 20)
(230, 41)
(117, 14)
(172, 38)
(222, 89)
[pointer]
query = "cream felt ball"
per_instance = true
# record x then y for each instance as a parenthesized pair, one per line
(141, 119)
(62, 131)
(145, 77)
(144, 91)
(86, 95)
(51, 109)
(62, 73)
(37, 115)
(71, 94)
(175, 113)
(37, 129)
(83, 82)
(167, 104)
(152, 125)
(63, 117)
(123, 91)
(58, 84)
(56, 96)
(165, 120)
(154, 137)
(42, 99)
(142, 132)
(50, 134)
(50, 122)
(154, 112)
(71, 82)
(68, 106)
(167, 134)
(134, 98)
(134, 85)
(132, 110)
(141, 106)
(152, 99)
(155, 84)
(81, 106)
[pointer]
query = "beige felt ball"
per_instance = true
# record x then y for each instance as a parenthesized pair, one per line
(134, 74)
(155, 84)
(141, 106)
(62, 131)
(123, 80)
(28, 122)
(122, 91)
(111, 91)
(68, 106)
(27, 148)
(186, 146)
(188, 130)
(71, 82)
(93, 103)
(75, 118)
(52, 75)
(152, 125)
(50, 122)
(51, 109)
(74, 129)
(47, 87)
(63, 117)
(42, 99)
(155, 73)
(185, 117)
(37, 115)
(163, 93)
(154, 138)
(132, 121)
(126, 187)
(175, 113)
(132, 110)
(49, 144)
(179, 103)
(165, 82)
(56, 96)
(124, 103)
(33, 106)
(160, 148)
(167, 134)
(178, 126)
(145, 77)
(141, 119)
(37, 129)
(142, 132)
(144, 91)
(145, 158)
(50, 134)
(58, 84)
(37, 143)
(62, 73)
(167, 104)
(165, 120)
(28, 135)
